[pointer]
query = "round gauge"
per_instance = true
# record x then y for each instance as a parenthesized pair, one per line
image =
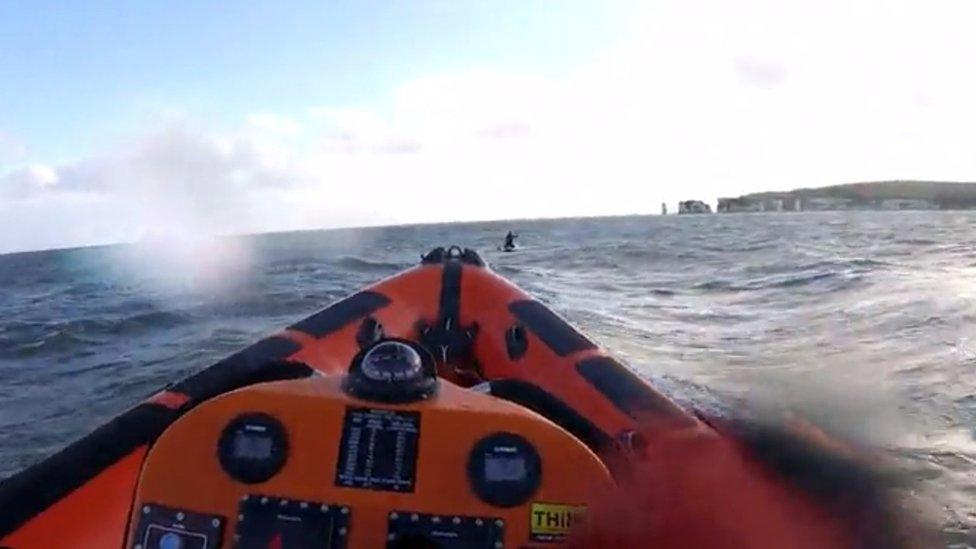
(253, 447)
(504, 469)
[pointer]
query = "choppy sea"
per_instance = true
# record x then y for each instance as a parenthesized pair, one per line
(863, 322)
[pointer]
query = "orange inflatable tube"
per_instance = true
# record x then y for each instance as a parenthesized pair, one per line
(481, 329)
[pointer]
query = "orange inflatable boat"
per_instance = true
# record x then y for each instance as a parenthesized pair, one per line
(442, 407)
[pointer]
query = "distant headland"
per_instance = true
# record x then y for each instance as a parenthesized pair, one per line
(880, 195)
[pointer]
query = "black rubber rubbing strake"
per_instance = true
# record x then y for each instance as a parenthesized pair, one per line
(342, 313)
(625, 389)
(243, 368)
(555, 332)
(539, 400)
(31, 491)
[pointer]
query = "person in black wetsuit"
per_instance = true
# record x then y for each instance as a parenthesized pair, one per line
(510, 241)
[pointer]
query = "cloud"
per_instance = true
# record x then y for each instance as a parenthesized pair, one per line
(273, 123)
(173, 161)
(702, 100)
(355, 130)
(11, 149)
(25, 181)
(175, 180)
(764, 74)
(503, 130)
(405, 146)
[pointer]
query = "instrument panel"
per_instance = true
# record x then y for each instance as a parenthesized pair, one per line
(297, 464)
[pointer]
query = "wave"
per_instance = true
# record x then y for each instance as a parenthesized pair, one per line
(57, 342)
(31, 339)
(714, 307)
(354, 263)
(785, 276)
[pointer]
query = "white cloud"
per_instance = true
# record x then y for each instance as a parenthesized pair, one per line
(273, 123)
(42, 176)
(172, 180)
(26, 181)
(11, 149)
(758, 72)
(702, 99)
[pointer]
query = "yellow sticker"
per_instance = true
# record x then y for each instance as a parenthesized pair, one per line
(552, 521)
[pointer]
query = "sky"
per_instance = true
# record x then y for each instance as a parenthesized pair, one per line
(132, 120)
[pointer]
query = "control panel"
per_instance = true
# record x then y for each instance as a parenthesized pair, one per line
(316, 463)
